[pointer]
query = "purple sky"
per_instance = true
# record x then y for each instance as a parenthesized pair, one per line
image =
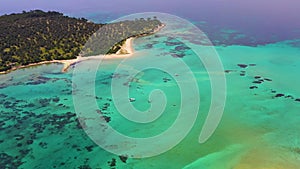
(279, 9)
(272, 10)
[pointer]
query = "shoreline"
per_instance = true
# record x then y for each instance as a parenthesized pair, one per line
(127, 47)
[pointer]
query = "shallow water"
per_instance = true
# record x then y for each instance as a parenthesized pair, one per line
(39, 127)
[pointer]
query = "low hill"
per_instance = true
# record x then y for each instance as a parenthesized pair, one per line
(36, 36)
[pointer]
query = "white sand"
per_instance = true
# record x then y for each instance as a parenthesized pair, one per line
(127, 46)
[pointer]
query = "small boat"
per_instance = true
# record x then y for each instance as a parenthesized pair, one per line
(131, 99)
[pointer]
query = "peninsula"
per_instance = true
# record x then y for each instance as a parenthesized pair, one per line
(38, 37)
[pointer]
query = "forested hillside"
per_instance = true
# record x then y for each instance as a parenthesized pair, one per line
(36, 36)
(109, 38)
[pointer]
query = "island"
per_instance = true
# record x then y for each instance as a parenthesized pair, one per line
(38, 37)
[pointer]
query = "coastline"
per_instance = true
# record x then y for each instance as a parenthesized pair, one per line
(127, 51)
(128, 46)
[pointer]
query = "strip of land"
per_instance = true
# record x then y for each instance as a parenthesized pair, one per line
(127, 47)
(126, 50)
(37, 37)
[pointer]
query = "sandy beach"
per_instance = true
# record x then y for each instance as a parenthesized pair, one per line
(127, 46)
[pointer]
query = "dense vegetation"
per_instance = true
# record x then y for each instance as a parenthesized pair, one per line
(109, 38)
(36, 36)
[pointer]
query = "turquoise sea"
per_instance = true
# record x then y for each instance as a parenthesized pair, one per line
(259, 129)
